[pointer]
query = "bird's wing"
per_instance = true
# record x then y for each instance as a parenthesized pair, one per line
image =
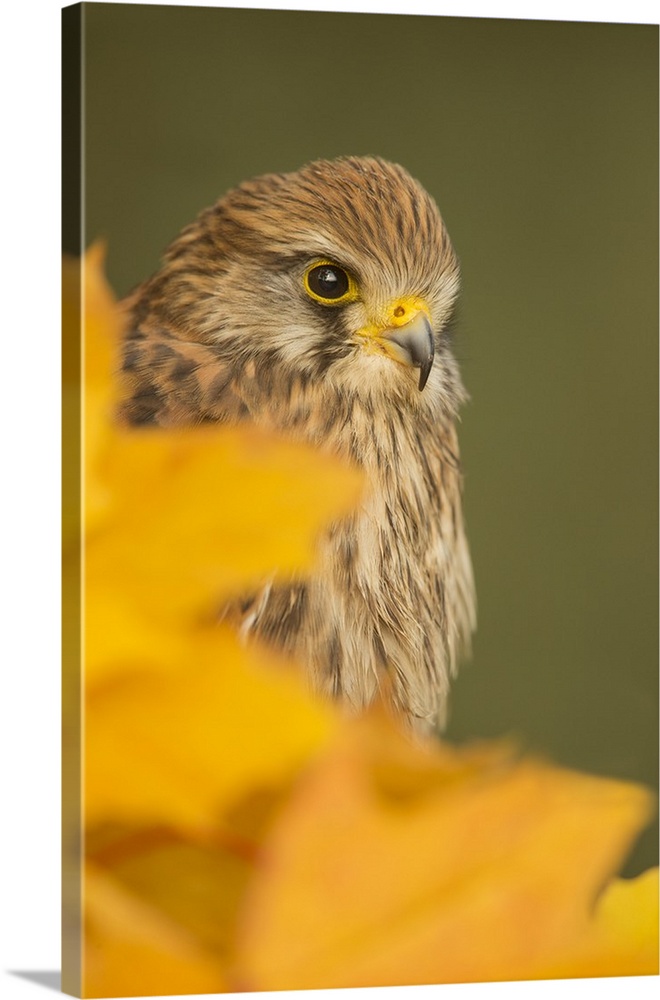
(169, 381)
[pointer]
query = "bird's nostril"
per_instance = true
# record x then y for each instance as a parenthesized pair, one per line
(399, 311)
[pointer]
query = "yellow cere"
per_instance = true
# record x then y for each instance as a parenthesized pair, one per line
(395, 315)
(404, 310)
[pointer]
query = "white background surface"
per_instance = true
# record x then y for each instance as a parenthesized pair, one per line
(29, 398)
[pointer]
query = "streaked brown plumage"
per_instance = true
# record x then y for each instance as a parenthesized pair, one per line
(318, 303)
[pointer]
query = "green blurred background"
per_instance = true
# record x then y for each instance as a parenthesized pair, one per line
(539, 141)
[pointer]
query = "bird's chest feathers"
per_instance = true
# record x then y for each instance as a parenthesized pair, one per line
(405, 528)
(401, 539)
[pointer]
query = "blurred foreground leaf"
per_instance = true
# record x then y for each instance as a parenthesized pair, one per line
(133, 950)
(439, 866)
(240, 834)
(179, 747)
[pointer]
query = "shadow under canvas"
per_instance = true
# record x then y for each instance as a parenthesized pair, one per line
(49, 978)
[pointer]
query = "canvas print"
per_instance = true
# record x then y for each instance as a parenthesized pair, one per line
(360, 516)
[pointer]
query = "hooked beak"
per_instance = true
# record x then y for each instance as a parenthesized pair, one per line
(412, 344)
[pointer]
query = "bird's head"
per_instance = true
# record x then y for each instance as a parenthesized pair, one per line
(342, 271)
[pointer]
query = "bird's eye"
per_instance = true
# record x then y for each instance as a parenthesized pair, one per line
(330, 284)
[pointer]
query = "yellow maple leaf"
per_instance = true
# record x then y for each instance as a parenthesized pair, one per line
(195, 515)
(185, 518)
(132, 949)
(416, 866)
(623, 935)
(180, 720)
(92, 325)
(195, 883)
(176, 521)
(181, 747)
(241, 835)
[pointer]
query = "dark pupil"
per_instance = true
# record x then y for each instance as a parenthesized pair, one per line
(328, 282)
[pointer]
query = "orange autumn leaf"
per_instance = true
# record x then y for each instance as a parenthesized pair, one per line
(241, 835)
(623, 937)
(195, 883)
(133, 949)
(455, 866)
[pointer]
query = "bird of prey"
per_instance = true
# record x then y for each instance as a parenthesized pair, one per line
(319, 303)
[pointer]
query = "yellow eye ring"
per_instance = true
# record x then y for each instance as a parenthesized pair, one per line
(330, 284)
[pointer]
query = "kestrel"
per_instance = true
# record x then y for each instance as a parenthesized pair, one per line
(319, 303)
